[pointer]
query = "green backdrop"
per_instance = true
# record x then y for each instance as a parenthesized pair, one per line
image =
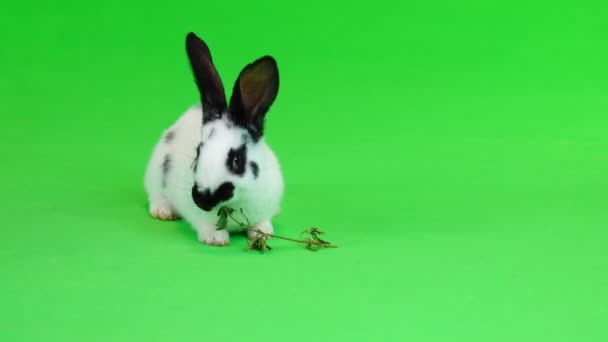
(457, 152)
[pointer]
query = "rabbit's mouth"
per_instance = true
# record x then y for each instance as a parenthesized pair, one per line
(208, 200)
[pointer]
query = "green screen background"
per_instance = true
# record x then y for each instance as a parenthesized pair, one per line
(456, 151)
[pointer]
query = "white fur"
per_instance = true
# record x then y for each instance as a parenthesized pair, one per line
(258, 197)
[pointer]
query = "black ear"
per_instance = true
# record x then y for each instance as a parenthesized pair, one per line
(253, 94)
(207, 79)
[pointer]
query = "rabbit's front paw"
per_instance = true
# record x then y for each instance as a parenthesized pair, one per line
(214, 237)
(264, 226)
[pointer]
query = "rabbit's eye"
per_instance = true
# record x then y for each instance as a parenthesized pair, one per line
(236, 160)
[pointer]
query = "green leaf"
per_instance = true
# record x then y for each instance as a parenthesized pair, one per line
(222, 223)
(223, 213)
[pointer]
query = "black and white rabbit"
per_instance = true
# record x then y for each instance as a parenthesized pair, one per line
(215, 154)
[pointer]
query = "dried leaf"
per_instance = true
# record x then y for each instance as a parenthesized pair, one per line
(259, 244)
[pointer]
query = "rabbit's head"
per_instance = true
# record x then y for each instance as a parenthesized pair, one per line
(231, 153)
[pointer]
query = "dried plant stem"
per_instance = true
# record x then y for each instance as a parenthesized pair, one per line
(306, 241)
(314, 242)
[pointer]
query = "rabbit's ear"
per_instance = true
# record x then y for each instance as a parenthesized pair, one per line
(253, 94)
(207, 79)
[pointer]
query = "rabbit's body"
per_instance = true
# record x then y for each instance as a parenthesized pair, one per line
(214, 156)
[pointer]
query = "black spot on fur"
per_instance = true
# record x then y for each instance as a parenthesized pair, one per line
(211, 134)
(254, 168)
(165, 166)
(169, 136)
(198, 153)
(237, 160)
(207, 200)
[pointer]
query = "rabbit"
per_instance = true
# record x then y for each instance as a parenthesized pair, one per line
(215, 154)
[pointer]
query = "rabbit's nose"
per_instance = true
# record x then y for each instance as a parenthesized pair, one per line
(207, 200)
